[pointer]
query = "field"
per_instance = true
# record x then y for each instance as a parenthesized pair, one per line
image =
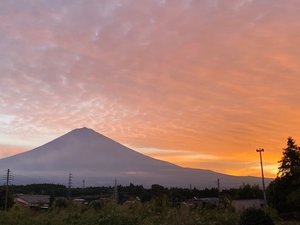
(134, 213)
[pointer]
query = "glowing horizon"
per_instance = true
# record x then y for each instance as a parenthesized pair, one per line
(200, 84)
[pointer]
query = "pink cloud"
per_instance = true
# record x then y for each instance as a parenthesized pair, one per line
(210, 76)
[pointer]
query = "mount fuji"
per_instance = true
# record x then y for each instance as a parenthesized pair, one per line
(99, 160)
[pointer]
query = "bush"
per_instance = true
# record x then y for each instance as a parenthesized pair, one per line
(61, 203)
(116, 217)
(255, 217)
(96, 204)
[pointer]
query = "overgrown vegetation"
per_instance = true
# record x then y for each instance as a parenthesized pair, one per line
(153, 212)
(10, 198)
(255, 217)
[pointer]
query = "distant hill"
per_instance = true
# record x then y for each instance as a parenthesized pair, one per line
(99, 160)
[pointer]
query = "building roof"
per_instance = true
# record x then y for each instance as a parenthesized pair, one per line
(247, 203)
(33, 199)
(209, 200)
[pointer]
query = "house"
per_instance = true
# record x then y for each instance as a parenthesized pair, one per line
(33, 201)
(240, 205)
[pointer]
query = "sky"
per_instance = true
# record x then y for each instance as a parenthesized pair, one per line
(199, 83)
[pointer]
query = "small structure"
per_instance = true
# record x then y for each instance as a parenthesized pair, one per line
(240, 205)
(209, 201)
(80, 201)
(33, 201)
(202, 202)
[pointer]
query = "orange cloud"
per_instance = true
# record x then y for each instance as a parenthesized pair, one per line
(203, 78)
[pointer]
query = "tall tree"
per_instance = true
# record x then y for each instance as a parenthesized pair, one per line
(284, 191)
(290, 161)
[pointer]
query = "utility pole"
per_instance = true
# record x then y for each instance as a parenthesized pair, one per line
(218, 192)
(6, 192)
(219, 188)
(260, 150)
(69, 185)
(116, 191)
(83, 183)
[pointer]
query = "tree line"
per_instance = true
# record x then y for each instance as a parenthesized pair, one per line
(174, 195)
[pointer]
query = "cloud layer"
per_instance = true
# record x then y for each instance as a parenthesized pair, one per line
(206, 78)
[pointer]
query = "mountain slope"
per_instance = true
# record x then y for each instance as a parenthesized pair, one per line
(99, 160)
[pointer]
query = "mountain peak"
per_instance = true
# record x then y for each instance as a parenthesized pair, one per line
(85, 134)
(98, 159)
(85, 131)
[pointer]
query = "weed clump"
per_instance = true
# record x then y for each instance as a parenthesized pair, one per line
(255, 217)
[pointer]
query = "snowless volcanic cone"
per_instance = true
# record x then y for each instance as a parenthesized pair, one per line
(99, 160)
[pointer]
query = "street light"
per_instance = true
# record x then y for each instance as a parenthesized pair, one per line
(260, 150)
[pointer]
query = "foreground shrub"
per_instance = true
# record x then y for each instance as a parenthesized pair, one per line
(255, 217)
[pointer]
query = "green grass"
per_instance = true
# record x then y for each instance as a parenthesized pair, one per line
(151, 213)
